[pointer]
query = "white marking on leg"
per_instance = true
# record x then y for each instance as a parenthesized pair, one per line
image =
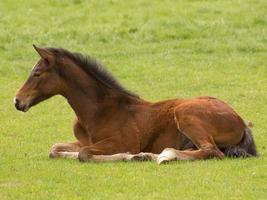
(166, 155)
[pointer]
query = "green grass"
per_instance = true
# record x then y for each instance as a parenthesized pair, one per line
(158, 49)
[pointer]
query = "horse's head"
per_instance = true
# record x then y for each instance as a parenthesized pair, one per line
(43, 82)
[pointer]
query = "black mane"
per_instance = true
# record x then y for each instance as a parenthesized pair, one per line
(93, 68)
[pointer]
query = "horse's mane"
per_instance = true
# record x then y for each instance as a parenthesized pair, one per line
(93, 68)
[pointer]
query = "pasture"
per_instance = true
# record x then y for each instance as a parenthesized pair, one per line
(157, 49)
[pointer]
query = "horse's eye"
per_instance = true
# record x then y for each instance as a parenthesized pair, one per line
(36, 74)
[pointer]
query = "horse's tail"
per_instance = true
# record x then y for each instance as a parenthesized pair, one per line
(245, 148)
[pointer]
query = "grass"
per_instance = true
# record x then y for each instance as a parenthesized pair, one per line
(158, 49)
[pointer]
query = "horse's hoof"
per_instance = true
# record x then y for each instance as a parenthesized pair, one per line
(83, 157)
(52, 155)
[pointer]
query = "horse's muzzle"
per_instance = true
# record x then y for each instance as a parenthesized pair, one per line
(20, 106)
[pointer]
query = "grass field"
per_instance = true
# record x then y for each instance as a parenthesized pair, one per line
(158, 49)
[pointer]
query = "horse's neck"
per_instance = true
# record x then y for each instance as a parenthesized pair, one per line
(89, 99)
(87, 96)
(88, 106)
(78, 90)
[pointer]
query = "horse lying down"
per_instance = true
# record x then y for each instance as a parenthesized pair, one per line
(111, 120)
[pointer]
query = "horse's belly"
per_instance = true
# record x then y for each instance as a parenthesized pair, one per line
(169, 138)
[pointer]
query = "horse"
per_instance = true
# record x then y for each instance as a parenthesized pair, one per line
(113, 124)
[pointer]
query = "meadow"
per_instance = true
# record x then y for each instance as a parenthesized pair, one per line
(158, 49)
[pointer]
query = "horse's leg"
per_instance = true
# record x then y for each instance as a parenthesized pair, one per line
(170, 154)
(144, 156)
(65, 150)
(106, 158)
(206, 149)
(71, 150)
(108, 146)
(81, 134)
(198, 132)
(108, 149)
(122, 157)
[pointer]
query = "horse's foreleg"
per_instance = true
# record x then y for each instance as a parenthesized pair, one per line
(71, 150)
(106, 148)
(65, 150)
(144, 156)
(109, 150)
(121, 157)
(108, 158)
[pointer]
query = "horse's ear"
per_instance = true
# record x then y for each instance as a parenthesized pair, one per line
(44, 53)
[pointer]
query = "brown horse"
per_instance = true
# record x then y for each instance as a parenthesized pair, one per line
(112, 123)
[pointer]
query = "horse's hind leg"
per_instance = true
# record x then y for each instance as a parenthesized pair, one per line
(65, 150)
(170, 154)
(198, 132)
(206, 147)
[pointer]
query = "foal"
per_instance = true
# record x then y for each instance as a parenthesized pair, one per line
(111, 121)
